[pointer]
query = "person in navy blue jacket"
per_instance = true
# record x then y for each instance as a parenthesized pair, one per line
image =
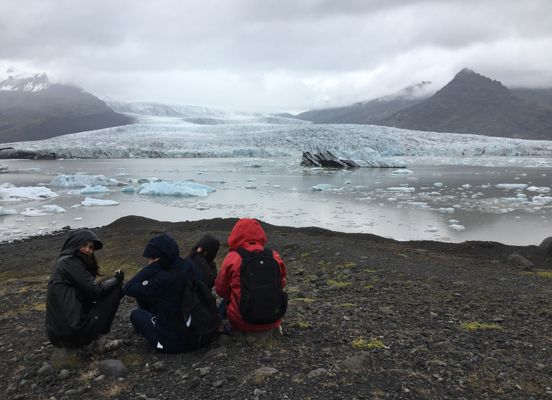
(158, 292)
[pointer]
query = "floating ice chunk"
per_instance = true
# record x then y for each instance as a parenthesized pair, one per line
(404, 189)
(322, 187)
(250, 187)
(438, 184)
(128, 189)
(467, 186)
(457, 227)
(542, 199)
(78, 218)
(94, 189)
(90, 201)
(511, 186)
(539, 189)
(5, 211)
(49, 209)
(432, 228)
(202, 207)
(453, 221)
(402, 172)
(9, 192)
(447, 210)
(418, 204)
(72, 181)
(177, 188)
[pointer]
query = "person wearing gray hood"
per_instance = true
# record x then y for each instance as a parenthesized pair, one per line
(79, 309)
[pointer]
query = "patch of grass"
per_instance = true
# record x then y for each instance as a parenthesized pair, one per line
(132, 359)
(338, 284)
(364, 344)
(305, 299)
(304, 255)
(544, 274)
(368, 286)
(369, 270)
(479, 326)
(349, 265)
(347, 305)
(25, 308)
(300, 325)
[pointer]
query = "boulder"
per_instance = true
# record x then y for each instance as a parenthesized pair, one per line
(546, 246)
(518, 261)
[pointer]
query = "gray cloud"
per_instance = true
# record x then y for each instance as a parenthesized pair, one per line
(274, 55)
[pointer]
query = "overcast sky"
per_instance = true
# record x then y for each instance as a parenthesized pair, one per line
(281, 55)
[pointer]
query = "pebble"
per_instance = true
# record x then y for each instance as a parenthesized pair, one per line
(258, 392)
(46, 369)
(113, 368)
(158, 366)
(317, 373)
(218, 383)
(204, 371)
(63, 374)
(100, 378)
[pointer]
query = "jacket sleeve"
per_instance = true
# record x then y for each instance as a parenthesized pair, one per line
(85, 283)
(283, 270)
(224, 277)
(147, 283)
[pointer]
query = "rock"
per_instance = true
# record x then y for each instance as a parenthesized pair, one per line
(218, 352)
(194, 383)
(204, 371)
(71, 392)
(258, 393)
(261, 374)
(111, 345)
(546, 246)
(218, 383)
(518, 261)
(46, 370)
(317, 373)
(63, 374)
(99, 378)
(113, 368)
(158, 366)
(354, 362)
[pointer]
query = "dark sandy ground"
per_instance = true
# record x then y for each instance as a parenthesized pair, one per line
(369, 318)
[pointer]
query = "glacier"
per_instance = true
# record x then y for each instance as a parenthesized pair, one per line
(182, 188)
(171, 137)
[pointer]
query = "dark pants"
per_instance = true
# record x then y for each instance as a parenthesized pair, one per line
(98, 322)
(165, 338)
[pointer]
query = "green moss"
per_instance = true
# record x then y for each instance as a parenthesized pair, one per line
(304, 255)
(544, 274)
(364, 344)
(338, 284)
(305, 299)
(347, 305)
(477, 326)
(300, 325)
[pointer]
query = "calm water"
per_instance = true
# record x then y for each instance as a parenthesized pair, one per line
(447, 203)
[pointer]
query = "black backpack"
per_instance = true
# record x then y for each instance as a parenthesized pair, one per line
(263, 299)
(198, 311)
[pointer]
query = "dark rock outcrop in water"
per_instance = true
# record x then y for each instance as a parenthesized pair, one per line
(35, 109)
(326, 159)
(368, 317)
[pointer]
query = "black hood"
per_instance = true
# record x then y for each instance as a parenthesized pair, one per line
(162, 246)
(210, 246)
(79, 238)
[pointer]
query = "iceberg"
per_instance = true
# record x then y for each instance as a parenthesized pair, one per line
(9, 192)
(5, 211)
(94, 189)
(74, 181)
(177, 188)
(541, 189)
(90, 201)
(511, 186)
(321, 187)
(403, 189)
(49, 209)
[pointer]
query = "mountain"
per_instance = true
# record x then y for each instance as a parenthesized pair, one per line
(33, 108)
(543, 96)
(472, 103)
(367, 112)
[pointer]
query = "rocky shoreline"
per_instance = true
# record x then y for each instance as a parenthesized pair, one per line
(369, 318)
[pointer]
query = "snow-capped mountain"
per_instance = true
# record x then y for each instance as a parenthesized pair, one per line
(197, 114)
(34, 83)
(33, 108)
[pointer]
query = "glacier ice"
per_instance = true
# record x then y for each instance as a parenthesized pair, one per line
(6, 211)
(49, 209)
(177, 188)
(9, 192)
(74, 181)
(538, 189)
(90, 201)
(511, 186)
(322, 187)
(94, 189)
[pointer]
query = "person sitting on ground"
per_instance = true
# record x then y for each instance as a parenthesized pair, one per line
(159, 289)
(203, 254)
(79, 309)
(251, 280)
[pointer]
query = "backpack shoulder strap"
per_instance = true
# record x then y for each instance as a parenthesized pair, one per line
(243, 253)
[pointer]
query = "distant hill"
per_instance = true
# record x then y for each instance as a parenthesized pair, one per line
(472, 103)
(33, 108)
(543, 96)
(367, 112)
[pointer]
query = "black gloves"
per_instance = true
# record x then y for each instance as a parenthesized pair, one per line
(120, 275)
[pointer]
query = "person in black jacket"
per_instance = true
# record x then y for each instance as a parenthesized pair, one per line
(203, 254)
(79, 309)
(158, 289)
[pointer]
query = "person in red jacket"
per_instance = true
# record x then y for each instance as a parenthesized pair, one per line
(246, 235)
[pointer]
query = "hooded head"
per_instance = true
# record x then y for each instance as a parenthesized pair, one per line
(79, 238)
(246, 231)
(163, 247)
(210, 246)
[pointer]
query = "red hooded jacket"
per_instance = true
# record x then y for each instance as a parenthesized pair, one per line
(249, 234)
